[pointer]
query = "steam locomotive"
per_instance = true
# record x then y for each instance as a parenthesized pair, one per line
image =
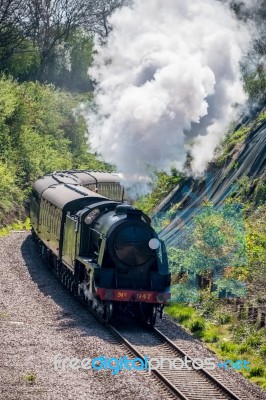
(101, 248)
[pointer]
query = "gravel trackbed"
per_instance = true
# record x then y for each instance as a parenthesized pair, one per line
(40, 319)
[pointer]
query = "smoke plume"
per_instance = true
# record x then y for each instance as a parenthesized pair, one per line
(168, 78)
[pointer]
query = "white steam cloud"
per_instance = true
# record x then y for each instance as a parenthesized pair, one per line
(167, 77)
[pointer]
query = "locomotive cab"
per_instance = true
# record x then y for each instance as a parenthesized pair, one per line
(128, 254)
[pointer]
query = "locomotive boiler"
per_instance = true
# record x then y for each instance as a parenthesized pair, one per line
(103, 249)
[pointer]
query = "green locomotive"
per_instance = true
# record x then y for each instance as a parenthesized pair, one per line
(102, 249)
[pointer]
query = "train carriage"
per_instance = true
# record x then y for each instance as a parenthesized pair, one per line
(104, 250)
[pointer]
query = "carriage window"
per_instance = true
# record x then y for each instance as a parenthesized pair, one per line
(91, 216)
(48, 215)
(45, 213)
(58, 223)
(111, 190)
(41, 213)
(52, 219)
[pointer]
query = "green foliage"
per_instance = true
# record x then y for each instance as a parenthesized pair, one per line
(255, 83)
(81, 55)
(261, 118)
(228, 347)
(256, 371)
(175, 257)
(181, 312)
(186, 292)
(256, 246)
(254, 341)
(230, 143)
(38, 154)
(20, 61)
(39, 133)
(4, 315)
(243, 348)
(210, 336)
(243, 188)
(224, 318)
(216, 231)
(240, 331)
(68, 62)
(230, 287)
(213, 241)
(47, 47)
(263, 351)
(196, 325)
(16, 226)
(164, 183)
(224, 334)
(30, 377)
(232, 245)
(11, 195)
(260, 192)
(209, 302)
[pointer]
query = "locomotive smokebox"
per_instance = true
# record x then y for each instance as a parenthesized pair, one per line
(127, 232)
(129, 244)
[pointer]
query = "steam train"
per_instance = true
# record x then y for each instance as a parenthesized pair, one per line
(101, 248)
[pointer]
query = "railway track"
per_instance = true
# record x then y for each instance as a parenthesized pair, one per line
(185, 384)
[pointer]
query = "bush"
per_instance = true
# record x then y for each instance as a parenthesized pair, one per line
(181, 312)
(39, 133)
(263, 350)
(197, 325)
(228, 347)
(164, 183)
(254, 341)
(211, 337)
(243, 348)
(224, 318)
(256, 371)
(11, 205)
(209, 302)
(255, 84)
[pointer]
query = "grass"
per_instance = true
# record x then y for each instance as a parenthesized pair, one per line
(211, 335)
(180, 312)
(4, 315)
(263, 351)
(30, 377)
(196, 325)
(236, 137)
(260, 382)
(16, 226)
(228, 337)
(254, 341)
(228, 348)
(256, 371)
(230, 143)
(224, 318)
(261, 118)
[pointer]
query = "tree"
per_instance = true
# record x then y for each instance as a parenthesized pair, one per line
(37, 37)
(55, 22)
(14, 29)
(13, 24)
(103, 10)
